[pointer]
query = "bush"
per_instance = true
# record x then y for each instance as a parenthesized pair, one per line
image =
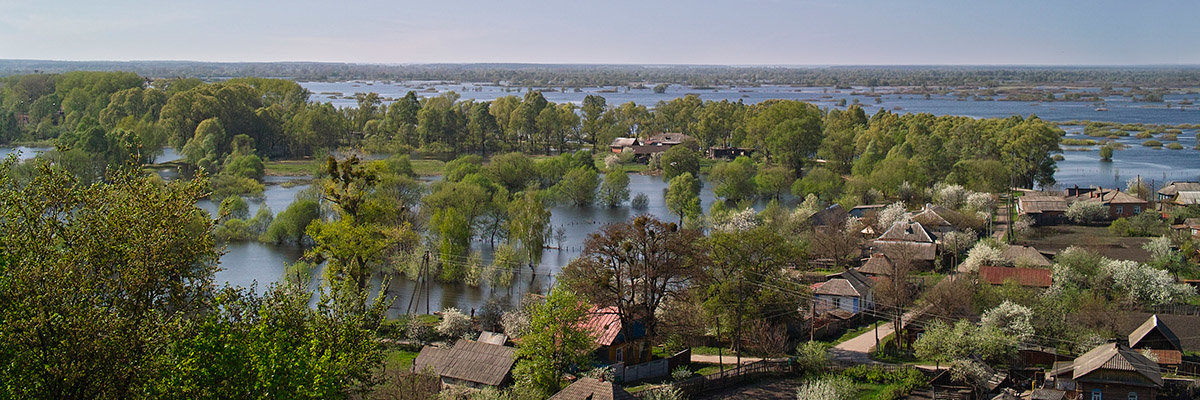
(640, 202)
(233, 207)
(1152, 143)
(812, 357)
(1175, 146)
(290, 225)
(233, 230)
(1086, 212)
(225, 185)
(681, 373)
(1120, 227)
(454, 323)
(827, 388)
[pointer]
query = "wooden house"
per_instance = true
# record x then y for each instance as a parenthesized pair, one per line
(848, 291)
(469, 363)
(1155, 338)
(617, 341)
(1108, 371)
(593, 389)
(907, 240)
(1120, 204)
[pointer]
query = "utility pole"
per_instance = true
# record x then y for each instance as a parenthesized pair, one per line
(426, 262)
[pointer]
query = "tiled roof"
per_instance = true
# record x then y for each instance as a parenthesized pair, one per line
(1153, 324)
(1031, 277)
(1113, 356)
(468, 360)
(592, 389)
(1025, 255)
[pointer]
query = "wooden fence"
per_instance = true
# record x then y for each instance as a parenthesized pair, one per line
(734, 376)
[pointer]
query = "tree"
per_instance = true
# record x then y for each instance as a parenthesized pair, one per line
(683, 196)
(944, 342)
(734, 180)
(1011, 318)
(615, 189)
(1028, 149)
(233, 207)
(528, 220)
(894, 292)
(1106, 153)
(634, 266)
(129, 258)
(679, 160)
(593, 114)
(819, 181)
(579, 186)
(1086, 212)
(773, 181)
(556, 341)
(291, 224)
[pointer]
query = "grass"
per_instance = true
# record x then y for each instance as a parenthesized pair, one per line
(853, 333)
(290, 167)
(427, 167)
(398, 359)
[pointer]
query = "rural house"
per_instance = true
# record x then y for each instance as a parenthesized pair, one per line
(907, 240)
(619, 144)
(1155, 338)
(468, 363)
(1027, 277)
(593, 389)
(848, 291)
(616, 341)
(1045, 209)
(1109, 371)
(1120, 204)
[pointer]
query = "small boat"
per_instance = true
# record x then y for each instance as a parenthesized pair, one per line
(1101, 109)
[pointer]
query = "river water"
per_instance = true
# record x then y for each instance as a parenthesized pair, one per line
(244, 264)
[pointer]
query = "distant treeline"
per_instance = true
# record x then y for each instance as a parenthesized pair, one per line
(578, 75)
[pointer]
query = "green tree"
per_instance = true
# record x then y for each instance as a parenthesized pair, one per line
(233, 207)
(128, 286)
(454, 241)
(734, 181)
(556, 342)
(291, 224)
(615, 189)
(683, 196)
(773, 180)
(679, 160)
(528, 223)
(593, 117)
(1106, 153)
(579, 186)
(822, 182)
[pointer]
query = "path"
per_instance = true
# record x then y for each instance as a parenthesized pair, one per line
(727, 359)
(857, 350)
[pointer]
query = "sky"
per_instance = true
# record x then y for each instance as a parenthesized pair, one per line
(735, 32)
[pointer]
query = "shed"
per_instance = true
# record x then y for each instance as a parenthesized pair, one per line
(469, 362)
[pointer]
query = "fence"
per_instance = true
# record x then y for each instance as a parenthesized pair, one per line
(734, 376)
(659, 368)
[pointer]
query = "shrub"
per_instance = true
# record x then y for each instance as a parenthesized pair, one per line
(681, 373)
(290, 225)
(1152, 143)
(1175, 146)
(827, 388)
(812, 357)
(1120, 227)
(640, 202)
(454, 323)
(1086, 212)
(233, 207)
(225, 185)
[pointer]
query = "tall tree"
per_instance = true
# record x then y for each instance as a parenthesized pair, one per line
(556, 342)
(683, 196)
(634, 266)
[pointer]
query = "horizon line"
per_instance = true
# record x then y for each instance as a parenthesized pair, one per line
(1150, 65)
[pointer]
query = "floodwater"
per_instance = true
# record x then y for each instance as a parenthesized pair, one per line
(244, 264)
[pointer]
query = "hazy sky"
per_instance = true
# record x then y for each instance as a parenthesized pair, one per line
(609, 31)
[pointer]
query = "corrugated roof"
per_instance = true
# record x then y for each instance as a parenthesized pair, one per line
(468, 360)
(1153, 324)
(1188, 198)
(1035, 204)
(604, 324)
(592, 389)
(837, 287)
(1113, 356)
(1031, 277)
(1025, 255)
(1174, 188)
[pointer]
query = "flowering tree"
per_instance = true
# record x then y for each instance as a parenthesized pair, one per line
(1011, 318)
(1144, 284)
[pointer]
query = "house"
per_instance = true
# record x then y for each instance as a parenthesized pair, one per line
(878, 265)
(469, 363)
(668, 139)
(1108, 371)
(1025, 256)
(593, 389)
(1190, 227)
(863, 211)
(729, 153)
(1179, 193)
(1154, 337)
(1045, 209)
(642, 153)
(619, 144)
(833, 215)
(1120, 204)
(617, 341)
(1027, 277)
(933, 218)
(848, 291)
(907, 240)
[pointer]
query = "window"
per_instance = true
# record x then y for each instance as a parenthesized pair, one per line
(1137, 209)
(1132, 395)
(837, 302)
(620, 355)
(1096, 395)
(1120, 210)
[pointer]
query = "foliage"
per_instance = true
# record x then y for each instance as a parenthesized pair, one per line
(1011, 318)
(454, 323)
(734, 181)
(555, 342)
(832, 387)
(1143, 284)
(946, 342)
(640, 202)
(615, 189)
(528, 224)
(291, 225)
(890, 215)
(683, 196)
(578, 187)
(1087, 212)
(224, 185)
(233, 207)
(820, 181)
(679, 160)
(812, 357)
(634, 266)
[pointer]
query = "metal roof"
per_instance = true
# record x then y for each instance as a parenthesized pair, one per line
(1114, 356)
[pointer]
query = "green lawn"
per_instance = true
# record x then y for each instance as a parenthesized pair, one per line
(291, 167)
(427, 167)
(398, 359)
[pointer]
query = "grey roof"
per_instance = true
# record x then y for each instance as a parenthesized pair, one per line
(896, 249)
(468, 360)
(1174, 188)
(1114, 356)
(907, 231)
(848, 283)
(624, 142)
(1188, 197)
(1040, 203)
(1047, 394)
(932, 216)
(1177, 322)
(1029, 255)
(878, 264)
(1150, 325)
(492, 338)
(592, 389)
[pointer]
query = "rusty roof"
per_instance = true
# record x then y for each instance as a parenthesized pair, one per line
(468, 360)
(1031, 277)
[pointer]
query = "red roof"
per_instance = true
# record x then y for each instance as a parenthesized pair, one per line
(604, 324)
(1032, 277)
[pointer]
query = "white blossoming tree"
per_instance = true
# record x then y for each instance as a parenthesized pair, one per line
(1011, 318)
